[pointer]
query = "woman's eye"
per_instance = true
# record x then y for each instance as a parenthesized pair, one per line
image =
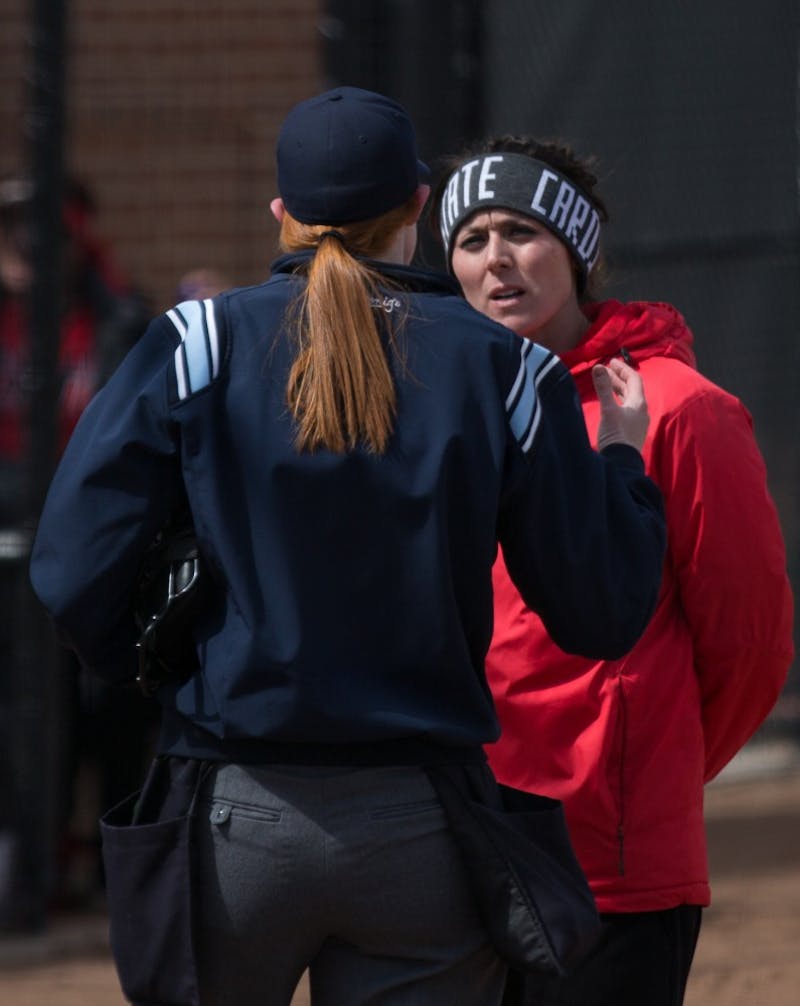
(471, 241)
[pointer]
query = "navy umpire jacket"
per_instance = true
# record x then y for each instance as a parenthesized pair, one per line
(354, 603)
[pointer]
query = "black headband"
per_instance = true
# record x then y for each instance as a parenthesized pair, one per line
(521, 183)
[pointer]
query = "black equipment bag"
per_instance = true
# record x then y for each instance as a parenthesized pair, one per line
(529, 887)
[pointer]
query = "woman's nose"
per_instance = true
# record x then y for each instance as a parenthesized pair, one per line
(497, 256)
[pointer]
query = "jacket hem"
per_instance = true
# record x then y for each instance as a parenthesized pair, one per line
(653, 901)
(181, 738)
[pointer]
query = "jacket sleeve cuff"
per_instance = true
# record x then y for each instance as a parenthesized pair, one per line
(624, 456)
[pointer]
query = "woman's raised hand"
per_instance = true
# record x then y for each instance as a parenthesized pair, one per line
(623, 408)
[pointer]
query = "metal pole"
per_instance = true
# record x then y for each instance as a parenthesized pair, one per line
(45, 135)
(38, 716)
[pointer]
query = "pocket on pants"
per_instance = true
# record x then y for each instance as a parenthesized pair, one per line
(148, 885)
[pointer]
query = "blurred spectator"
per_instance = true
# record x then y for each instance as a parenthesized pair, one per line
(197, 284)
(101, 319)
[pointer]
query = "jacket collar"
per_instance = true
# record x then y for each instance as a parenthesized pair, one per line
(636, 331)
(409, 277)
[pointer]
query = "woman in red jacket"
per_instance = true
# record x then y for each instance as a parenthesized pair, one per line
(626, 744)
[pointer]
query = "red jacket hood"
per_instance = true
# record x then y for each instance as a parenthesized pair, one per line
(640, 329)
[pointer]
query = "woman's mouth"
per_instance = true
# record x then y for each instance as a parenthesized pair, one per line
(505, 293)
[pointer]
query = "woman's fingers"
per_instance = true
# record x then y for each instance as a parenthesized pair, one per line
(623, 407)
(626, 382)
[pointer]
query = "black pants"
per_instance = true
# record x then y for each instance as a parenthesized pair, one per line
(642, 959)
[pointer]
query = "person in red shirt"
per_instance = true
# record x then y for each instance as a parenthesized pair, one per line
(101, 317)
(628, 744)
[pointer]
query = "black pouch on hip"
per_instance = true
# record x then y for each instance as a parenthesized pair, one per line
(147, 855)
(531, 892)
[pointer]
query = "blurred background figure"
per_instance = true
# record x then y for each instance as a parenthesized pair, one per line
(197, 284)
(101, 318)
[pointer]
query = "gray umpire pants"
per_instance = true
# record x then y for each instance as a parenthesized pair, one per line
(349, 872)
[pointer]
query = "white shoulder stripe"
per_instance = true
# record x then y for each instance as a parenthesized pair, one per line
(527, 346)
(178, 321)
(213, 340)
(180, 374)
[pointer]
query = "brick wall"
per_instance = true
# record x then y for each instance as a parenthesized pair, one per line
(13, 29)
(173, 110)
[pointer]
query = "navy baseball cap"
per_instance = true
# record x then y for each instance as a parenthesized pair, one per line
(347, 155)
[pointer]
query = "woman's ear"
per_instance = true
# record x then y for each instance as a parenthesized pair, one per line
(278, 209)
(420, 198)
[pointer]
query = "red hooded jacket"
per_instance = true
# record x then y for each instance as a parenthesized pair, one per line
(627, 745)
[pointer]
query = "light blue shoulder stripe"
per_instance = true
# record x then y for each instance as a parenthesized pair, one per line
(522, 403)
(197, 358)
(540, 376)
